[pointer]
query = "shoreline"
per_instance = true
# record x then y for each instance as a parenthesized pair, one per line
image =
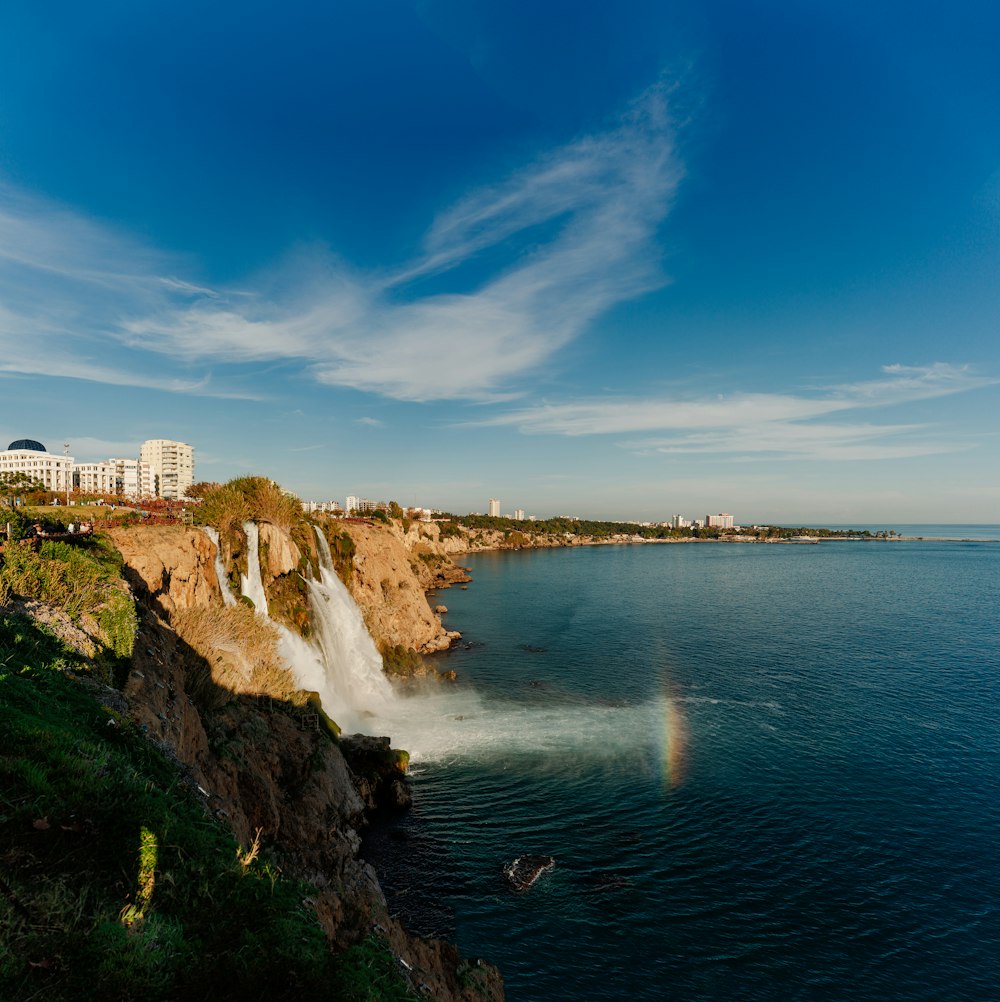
(739, 540)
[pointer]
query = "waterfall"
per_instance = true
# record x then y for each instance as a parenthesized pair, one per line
(438, 721)
(341, 662)
(251, 584)
(228, 597)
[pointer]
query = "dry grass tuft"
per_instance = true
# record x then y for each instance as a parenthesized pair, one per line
(241, 649)
(246, 857)
(258, 499)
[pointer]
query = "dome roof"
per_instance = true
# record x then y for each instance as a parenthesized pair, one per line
(26, 443)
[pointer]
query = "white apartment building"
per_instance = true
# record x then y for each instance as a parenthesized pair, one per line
(27, 456)
(495, 507)
(171, 463)
(720, 521)
(519, 514)
(321, 506)
(94, 478)
(362, 506)
(133, 478)
(679, 522)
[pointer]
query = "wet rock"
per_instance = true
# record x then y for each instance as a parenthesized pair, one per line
(524, 871)
(379, 771)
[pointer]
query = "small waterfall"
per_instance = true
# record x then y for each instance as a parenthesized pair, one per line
(251, 584)
(228, 597)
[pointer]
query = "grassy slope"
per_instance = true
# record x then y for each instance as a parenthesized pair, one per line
(115, 884)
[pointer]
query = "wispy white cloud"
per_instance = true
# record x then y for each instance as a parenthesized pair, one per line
(106, 307)
(754, 425)
(369, 422)
(65, 282)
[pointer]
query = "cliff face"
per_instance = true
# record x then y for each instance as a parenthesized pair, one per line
(206, 686)
(390, 576)
(174, 566)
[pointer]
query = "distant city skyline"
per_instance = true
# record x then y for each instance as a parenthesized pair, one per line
(682, 257)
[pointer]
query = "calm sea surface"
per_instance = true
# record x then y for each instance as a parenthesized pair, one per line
(765, 772)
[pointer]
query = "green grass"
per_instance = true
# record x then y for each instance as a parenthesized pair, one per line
(115, 884)
(82, 579)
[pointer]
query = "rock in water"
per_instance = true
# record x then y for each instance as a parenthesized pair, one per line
(525, 870)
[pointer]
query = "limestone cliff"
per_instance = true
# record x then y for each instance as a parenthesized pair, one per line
(391, 573)
(207, 686)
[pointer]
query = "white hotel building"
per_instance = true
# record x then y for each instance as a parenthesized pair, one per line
(27, 456)
(131, 478)
(720, 521)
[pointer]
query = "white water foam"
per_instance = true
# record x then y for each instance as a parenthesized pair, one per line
(251, 584)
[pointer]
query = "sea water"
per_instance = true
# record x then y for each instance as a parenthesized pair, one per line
(764, 771)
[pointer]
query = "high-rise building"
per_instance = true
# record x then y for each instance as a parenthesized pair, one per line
(720, 521)
(679, 522)
(519, 514)
(495, 507)
(171, 463)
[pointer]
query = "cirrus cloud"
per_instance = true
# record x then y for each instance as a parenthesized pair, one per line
(598, 202)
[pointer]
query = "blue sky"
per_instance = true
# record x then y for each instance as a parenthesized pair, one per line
(671, 257)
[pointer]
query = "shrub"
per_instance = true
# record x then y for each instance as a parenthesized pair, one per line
(239, 649)
(342, 550)
(258, 499)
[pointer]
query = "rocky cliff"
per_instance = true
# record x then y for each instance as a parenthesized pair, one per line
(207, 686)
(392, 571)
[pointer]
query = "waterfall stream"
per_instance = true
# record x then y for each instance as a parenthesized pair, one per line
(228, 598)
(252, 585)
(340, 661)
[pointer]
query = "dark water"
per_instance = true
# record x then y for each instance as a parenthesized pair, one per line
(776, 774)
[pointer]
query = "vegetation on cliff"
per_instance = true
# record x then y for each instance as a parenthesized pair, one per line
(84, 581)
(246, 499)
(117, 884)
(342, 550)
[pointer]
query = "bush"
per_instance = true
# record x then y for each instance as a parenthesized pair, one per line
(257, 499)
(342, 550)
(239, 650)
